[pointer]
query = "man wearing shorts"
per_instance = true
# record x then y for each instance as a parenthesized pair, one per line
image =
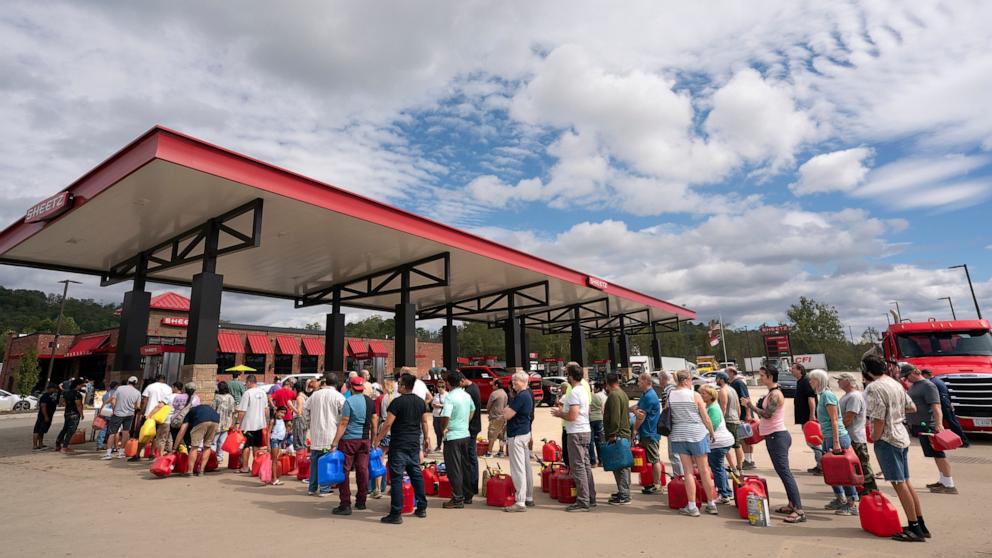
(202, 422)
(119, 424)
(888, 404)
(928, 419)
(252, 419)
(647, 411)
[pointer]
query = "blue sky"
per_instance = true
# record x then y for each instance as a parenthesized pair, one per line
(730, 157)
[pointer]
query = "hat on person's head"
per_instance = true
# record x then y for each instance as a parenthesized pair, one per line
(357, 383)
(376, 386)
(189, 385)
(132, 380)
(847, 376)
(926, 372)
(721, 375)
(905, 369)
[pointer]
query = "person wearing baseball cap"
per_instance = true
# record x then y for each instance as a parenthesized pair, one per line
(354, 438)
(119, 424)
(928, 419)
(947, 407)
(853, 412)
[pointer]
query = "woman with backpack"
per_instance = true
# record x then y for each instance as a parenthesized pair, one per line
(692, 433)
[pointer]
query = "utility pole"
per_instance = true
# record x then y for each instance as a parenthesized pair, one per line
(970, 286)
(948, 299)
(58, 330)
(898, 311)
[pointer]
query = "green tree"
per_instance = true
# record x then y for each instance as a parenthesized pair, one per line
(48, 325)
(27, 372)
(816, 320)
(315, 326)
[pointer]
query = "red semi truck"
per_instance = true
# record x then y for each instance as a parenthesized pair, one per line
(960, 353)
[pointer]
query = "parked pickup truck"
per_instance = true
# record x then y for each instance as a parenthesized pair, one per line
(483, 376)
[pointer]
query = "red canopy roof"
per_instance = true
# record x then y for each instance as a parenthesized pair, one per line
(169, 301)
(229, 342)
(377, 348)
(357, 348)
(87, 345)
(313, 345)
(288, 345)
(259, 344)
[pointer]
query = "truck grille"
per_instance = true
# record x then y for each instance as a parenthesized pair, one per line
(971, 394)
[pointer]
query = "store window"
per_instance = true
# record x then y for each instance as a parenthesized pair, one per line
(257, 362)
(284, 365)
(224, 361)
(308, 364)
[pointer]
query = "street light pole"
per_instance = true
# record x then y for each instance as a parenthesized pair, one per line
(58, 330)
(970, 286)
(898, 311)
(948, 299)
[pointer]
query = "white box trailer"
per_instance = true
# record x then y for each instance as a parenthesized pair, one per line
(811, 362)
(643, 363)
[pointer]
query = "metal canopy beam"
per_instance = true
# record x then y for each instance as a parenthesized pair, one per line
(191, 246)
(630, 323)
(523, 297)
(383, 282)
(562, 317)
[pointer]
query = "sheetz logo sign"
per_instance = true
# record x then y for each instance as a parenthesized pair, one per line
(50, 208)
(176, 322)
(597, 283)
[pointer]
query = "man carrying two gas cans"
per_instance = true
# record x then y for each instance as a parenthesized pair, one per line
(647, 411)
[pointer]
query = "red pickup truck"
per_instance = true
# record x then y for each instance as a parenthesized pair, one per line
(483, 376)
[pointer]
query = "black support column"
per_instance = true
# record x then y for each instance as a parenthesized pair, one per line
(624, 355)
(511, 336)
(577, 346)
(204, 305)
(655, 347)
(524, 346)
(133, 331)
(334, 337)
(449, 342)
(405, 349)
(612, 348)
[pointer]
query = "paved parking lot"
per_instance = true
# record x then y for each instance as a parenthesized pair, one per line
(78, 505)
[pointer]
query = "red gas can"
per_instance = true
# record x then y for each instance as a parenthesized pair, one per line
(640, 461)
(555, 479)
(148, 451)
(551, 452)
(813, 433)
(443, 486)
(945, 441)
(162, 466)
(755, 437)
(481, 447)
(843, 469)
(285, 465)
(566, 489)
(701, 492)
(302, 465)
(750, 484)
(234, 460)
(408, 498)
(131, 448)
(430, 479)
(182, 463)
(878, 516)
(677, 498)
(211, 463)
(500, 491)
(256, 463)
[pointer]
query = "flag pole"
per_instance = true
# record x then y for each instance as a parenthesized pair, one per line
(723, 339)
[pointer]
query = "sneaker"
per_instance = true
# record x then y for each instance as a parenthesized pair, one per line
(934, 485)
(392, 519)
(420, 512)
(815, 470)
(944, 490)
(577, 507)
(311, 492)
(748, 465)
(468, 501)
(342, 510)
(500, 454)
(360, 507)
(107, 457)
(134, 459)
(835, 504)
(618, 501)
(376, 494)
(723, 500)
(453, 505)
(849, 510)
(529, 503)
(908, 535)
(653, 489)
(694, 512)
(323, 494)
(515, 508)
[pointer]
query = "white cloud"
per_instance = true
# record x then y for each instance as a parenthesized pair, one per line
(831, 172)
(928, 182)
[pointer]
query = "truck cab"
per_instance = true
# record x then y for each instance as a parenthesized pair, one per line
(705, 364)
(959, 352)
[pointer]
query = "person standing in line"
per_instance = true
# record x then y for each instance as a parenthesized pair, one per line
(666, 385)
(616, 425)
(692, 434)
(947, 407)
(745, 453)
(518, 416)
(561, 397)
(382, 401)
(474, 428)
(285, 396)
(251, 419)
(647, 411)
(455, 418)
(354, 438)
(836, 438)
(420, 388)
(928, 419)
(437, 404)
(729, 404)
(73, 398)
(771, 416)
(199, 429)
(323, 413)
(575, 412)
(223, 403)
(126, 400)
(106, 411)
(888, 404)
(237, 387)
(278, 434)
(154, 397)
(183, 400)
(596, 422)
(47, 404)
(804, 410)
(722, 441)
(497, 424)
(407, 423)
(852, 409)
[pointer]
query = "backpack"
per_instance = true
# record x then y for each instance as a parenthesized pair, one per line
(665, 421)
(180, 415)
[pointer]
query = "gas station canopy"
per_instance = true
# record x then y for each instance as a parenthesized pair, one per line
(288, 236)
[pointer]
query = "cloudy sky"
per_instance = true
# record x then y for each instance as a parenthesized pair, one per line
(727, 156)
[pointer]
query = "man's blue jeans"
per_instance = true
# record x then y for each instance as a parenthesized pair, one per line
(715, 458)
(314, 457)
(407, 462)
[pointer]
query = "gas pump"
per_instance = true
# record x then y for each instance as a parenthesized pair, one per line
(602, 368)
(554, 366)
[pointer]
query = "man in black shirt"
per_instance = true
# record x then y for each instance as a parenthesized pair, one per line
(47, 404)
(198, 430)
(73, 414)
(474, 427)
(804, 409)
(407, 418)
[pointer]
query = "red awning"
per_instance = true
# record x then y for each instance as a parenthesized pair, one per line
(259, 344)
(87, 345)
(229, 342)
(288, 345)
(357, 349)
(376, 348)
(313, 345)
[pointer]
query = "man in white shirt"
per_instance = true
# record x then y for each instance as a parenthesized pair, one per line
(126, 400)
(322, 411)
(575, 412)
(252, 419)
(155, 394)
